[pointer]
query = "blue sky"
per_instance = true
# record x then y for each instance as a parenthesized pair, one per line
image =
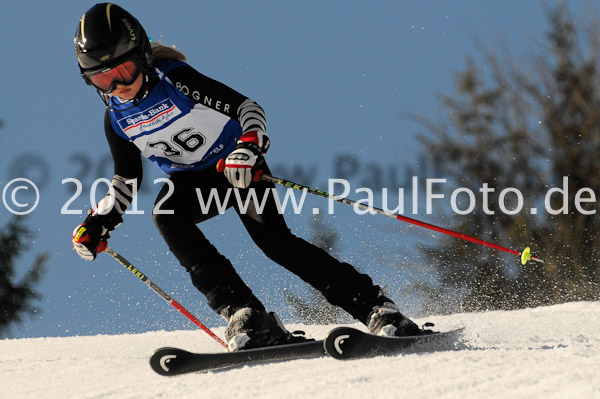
(334, 78)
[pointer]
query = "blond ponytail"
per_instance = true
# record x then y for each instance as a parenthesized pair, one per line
(162, 52)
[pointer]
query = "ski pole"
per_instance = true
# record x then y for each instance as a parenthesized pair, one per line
(136, 272)
(525, 254)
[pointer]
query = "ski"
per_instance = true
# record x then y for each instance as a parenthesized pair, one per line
(340, 343)
(174, 361)
(349, 343)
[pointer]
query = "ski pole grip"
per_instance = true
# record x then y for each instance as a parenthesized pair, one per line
(257, 175)
(221, 165)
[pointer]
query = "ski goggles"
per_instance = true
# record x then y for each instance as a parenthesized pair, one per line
(106, 79)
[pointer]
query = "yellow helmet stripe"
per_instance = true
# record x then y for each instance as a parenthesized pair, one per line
(82, 30)
(108, 15)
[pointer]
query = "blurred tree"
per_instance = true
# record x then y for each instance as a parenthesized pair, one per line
(531, 127)
(16, 297)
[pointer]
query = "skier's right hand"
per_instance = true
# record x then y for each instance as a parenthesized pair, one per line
(90, 237)
(87, 242)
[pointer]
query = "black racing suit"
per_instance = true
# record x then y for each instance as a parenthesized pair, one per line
(211, 272)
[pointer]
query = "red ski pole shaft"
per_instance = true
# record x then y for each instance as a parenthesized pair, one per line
(142, 277)
(525, 255)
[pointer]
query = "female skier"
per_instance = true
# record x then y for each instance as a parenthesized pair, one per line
(184, 122)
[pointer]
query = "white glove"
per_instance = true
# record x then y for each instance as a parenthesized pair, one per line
(241, 166)
(90, 237)
(87, 243)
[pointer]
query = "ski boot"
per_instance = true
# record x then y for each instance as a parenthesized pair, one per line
(251, 328)
(386, 320)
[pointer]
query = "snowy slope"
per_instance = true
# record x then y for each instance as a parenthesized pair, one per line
(548, 352)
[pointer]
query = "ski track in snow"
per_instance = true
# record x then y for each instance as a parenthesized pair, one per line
(546, 352)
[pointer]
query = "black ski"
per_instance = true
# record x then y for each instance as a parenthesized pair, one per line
(350, 343)
(174, 361)
(341, 343)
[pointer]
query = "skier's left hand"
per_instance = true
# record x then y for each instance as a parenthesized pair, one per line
(242, 166)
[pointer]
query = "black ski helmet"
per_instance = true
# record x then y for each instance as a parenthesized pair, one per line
(108, 35)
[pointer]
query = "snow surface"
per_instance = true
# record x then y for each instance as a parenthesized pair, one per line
(546, 352)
